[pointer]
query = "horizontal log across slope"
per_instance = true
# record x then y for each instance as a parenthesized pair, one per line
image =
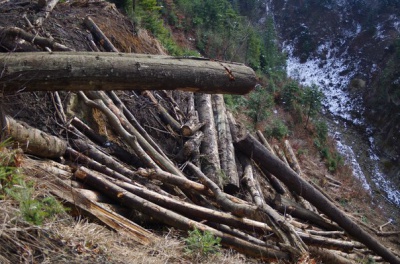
(85, 71)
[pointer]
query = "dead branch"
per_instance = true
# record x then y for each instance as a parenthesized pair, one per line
(163, 112)
(15, 32)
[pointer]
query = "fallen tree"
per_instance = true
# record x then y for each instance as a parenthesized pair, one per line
(253, 148)
(130, 166)
(117, 71)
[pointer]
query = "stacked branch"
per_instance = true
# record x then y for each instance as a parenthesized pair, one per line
(187, 189)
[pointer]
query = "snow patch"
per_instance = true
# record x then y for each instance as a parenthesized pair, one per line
(328, 74)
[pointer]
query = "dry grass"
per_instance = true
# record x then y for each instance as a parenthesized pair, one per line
(70, 240)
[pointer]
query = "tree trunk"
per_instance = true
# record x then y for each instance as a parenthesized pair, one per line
(99, 35)
(209, 146)
(32, 140)
(116, 71)
(225, 145)
(254, 149)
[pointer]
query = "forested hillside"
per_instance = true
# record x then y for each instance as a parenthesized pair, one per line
(167, 169)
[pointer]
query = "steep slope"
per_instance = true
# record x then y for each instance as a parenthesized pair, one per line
(44, 112)
(350, 49)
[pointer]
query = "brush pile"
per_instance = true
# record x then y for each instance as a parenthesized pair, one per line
(175, 158)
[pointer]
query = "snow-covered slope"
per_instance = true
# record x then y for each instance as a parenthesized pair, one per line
(337, 44)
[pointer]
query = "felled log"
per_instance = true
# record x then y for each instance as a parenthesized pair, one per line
(32, 140)
(46, 7)
(46, 170)
(251, 183)
(99, 35)
(264, 141)
(191, 149)
(210, 163)
(282, 229)
(131, 118)
(111, 71)
(284, 205)
(291, 157)
(225, 145)
(132, 137)
(254, 149)
(191, 127)
(171, 218)
(15, 32)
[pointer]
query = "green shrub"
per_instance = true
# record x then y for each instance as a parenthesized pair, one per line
(202, 244)
(14, 185)
(278, 130)
(259, 104)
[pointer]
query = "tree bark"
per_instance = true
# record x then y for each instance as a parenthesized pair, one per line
(32, 140)
(210, 163)
(111, 71)
(225, 145)
(254, 149)
(99, 35)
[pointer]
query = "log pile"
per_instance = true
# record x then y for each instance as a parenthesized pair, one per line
(220, 179)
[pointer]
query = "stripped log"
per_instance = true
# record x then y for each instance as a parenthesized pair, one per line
(225, 145)
(32, 140)
(210, 163)
(39, 71)
(254, 149)
(57, 183)
(99, 35)
(171, 218)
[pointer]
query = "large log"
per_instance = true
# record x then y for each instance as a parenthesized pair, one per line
(117, 71)
(210, 163)
(225, 145)
(260, 154)
(32, 140)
